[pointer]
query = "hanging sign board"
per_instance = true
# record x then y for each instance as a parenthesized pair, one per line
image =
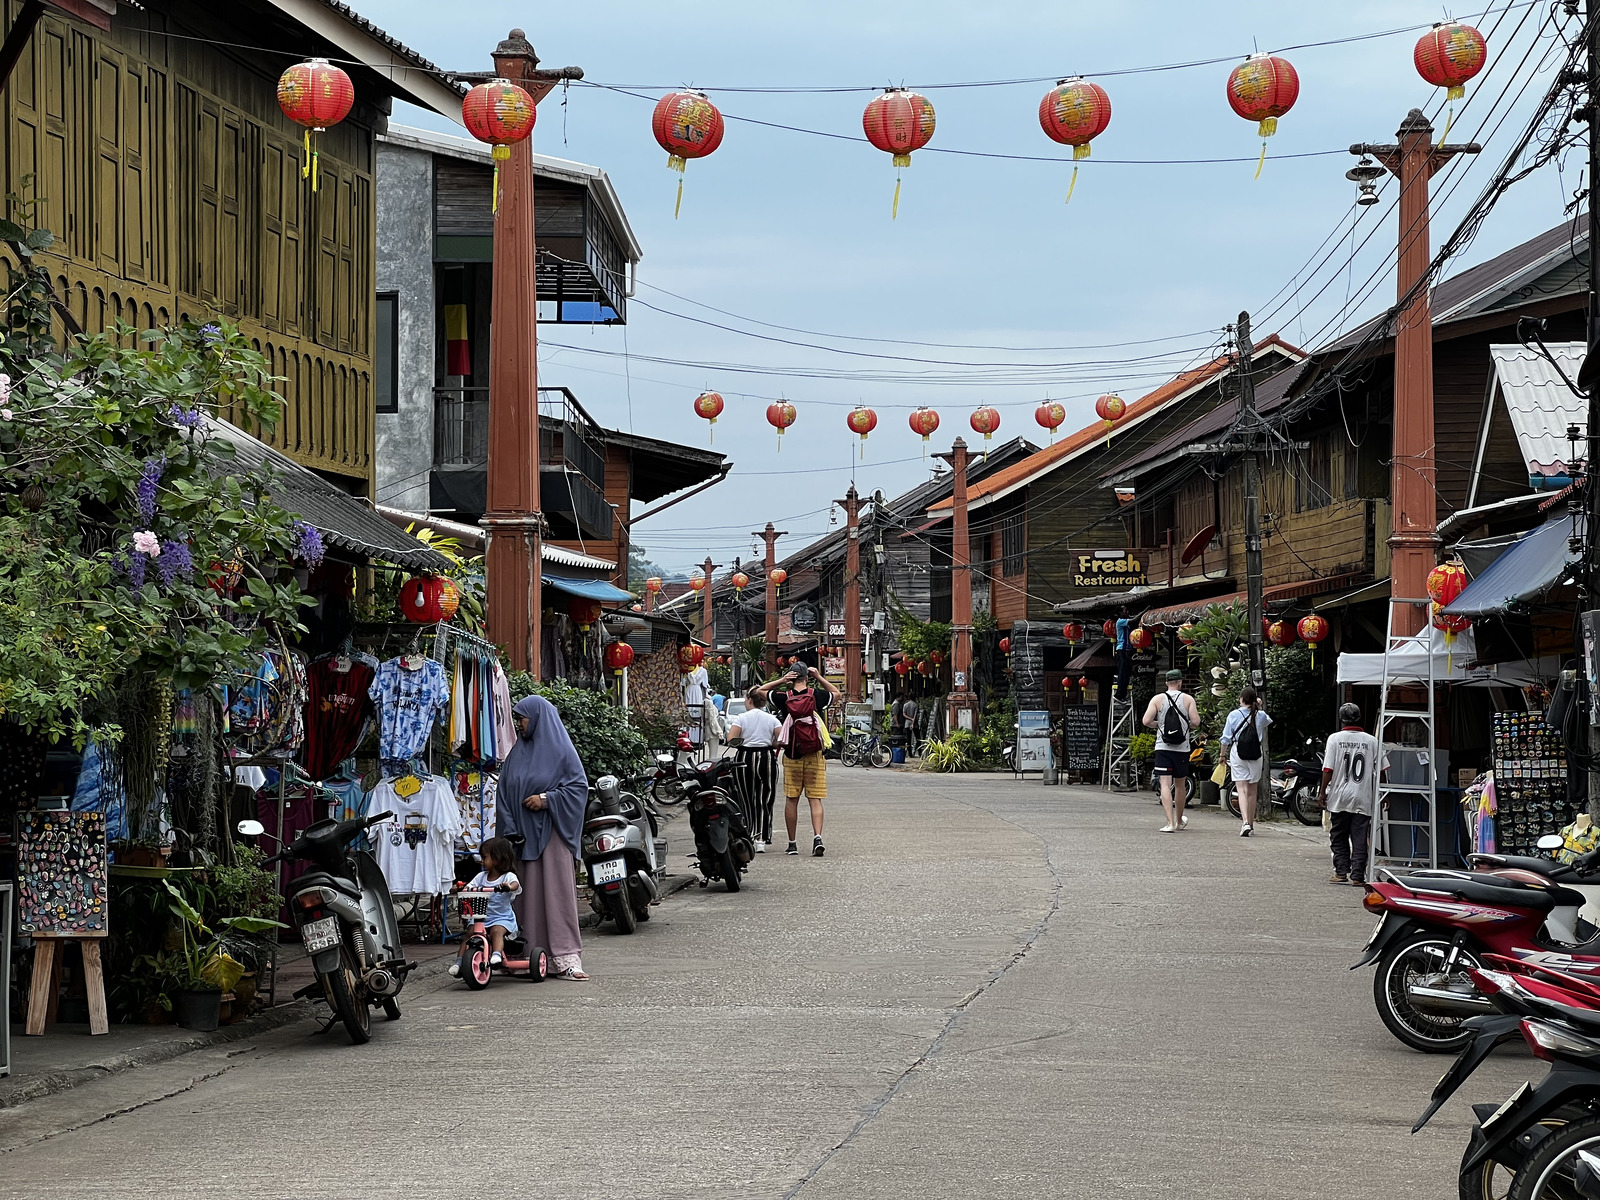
(1033, 741)
(1081, 740)
(1107, 569)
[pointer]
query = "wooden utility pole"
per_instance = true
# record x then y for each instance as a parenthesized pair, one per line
(1254, 591)
(1413, 544)
(771, 536)
(962, 702)
(514, 523)
(708, 620)
(852, 596)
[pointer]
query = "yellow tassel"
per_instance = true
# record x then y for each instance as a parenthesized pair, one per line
(314, 166)
(1458, 91)
(305, 167)
(894, 213)
(1262, 161)
(1450, 119)
(1080, 152)
(902, 160)
(1071, 187)
(494, 190)
(676, 208)
(1268, 127)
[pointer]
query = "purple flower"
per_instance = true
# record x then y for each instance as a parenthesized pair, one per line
(211, 334)
(175, 561)
(308, 544)
(187, 417)
(132, 565)
(148, 479)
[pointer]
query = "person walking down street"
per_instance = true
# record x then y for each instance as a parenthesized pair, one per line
(754, 733)
(907, 714)
(541, 798)
(1349, 792)
(1174, 717)
(804, 770)
(1244, 737)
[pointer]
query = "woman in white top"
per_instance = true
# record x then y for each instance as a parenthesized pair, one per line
(1247, 762)
(754, 733)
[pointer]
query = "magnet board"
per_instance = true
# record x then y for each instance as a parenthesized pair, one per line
(61, 873)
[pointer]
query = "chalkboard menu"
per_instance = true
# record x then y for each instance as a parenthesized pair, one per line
(1081, 737)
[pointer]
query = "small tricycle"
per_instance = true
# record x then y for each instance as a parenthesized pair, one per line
(520, 959)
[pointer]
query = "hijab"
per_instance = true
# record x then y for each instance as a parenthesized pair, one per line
(542, 760)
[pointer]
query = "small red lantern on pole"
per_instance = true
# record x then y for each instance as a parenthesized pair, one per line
(1450, 625)
(584, 612)
(1313, 630)
(709, 405)
(698, 583)
(1109, 629)
(898, 123)
(653, 584)
(1448, 56)
(1074, 113)
(1262, 88)
(686, 125)
(863, 421)
(1141, 638)
(1280, 633)
(985, 420)
(1005, 645)
(937, 656)
(429, 599)
(1186, 633)
(315, 94)
(1446, 582)
(779, 575)
(924, 421)
(1083, 682)
(781, 415)
(499, 113)
(1110, 409)
(740, 581)
(618, 657)
(1050, 415)
(902, 668)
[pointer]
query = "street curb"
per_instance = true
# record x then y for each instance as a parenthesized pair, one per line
(672, 885)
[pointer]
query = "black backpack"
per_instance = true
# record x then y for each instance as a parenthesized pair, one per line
(1248, 745)
(1174, 725)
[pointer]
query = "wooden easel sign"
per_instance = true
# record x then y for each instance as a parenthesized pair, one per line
(62, 894)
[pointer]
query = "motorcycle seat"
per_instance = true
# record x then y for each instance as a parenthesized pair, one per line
(313, 879)
(1504, 892)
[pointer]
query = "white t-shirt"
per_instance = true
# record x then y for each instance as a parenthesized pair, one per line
(416, 850)
(1353, 758)
(757, 727)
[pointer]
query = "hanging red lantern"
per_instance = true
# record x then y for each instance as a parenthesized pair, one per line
(1083, 681)
(898, 123)
(1050, 415)
(985, 420)
(1313, 630)
(1141, 638)
(315, 94)
(687, 125)
(1074, 113)
(780, 415)
(924, 421)
(690, 657)
(1073, 632)
(1186, 633)
(938, 657)
(1280, 633)
(1005, 645)
(500, 113)
(223, 577)
(925, 667)
(1450, 625)
(618, 657)
(1449, 55)
(709, 405)
(653, 584)
(778, 576)
(583, 612)
(1110, 409)
(429, 599)
(1446, 582)
(1109, 629)
(698, 583)
(1262, 88)
(902, 668)
(740, 581)
(863, 421)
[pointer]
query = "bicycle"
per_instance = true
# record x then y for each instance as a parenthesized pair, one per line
(863, 750)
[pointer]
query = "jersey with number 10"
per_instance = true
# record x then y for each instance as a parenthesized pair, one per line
(1352, 756)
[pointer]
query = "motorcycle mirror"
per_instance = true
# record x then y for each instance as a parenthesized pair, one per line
(251, 828)
(1551, 841)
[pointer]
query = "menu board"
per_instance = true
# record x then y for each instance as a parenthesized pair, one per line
(1033, 740)
(1081, 737)
(61, 873)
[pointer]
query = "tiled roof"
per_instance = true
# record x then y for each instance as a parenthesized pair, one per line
(1071, 446)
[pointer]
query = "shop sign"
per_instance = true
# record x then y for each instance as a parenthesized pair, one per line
(803, 617)
(836, 630)
(1097, 569)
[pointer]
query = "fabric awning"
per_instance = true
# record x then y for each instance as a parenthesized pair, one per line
(1453, 662)
(1363, 594)
(589, 589)
(1523, 573)
(1193, 610)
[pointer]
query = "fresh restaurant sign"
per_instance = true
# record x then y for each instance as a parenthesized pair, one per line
(1107, 568)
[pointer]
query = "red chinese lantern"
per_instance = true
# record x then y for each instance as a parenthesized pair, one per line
(902, 668)
(1446, 582)
(1313, 630)
(428, 599)
(223, 577)
(1050, 415)
(863, 421)
(1449, 55)
(1005, 645)
(1141, 638)
(698, 583)
(1074, 113)
(924, 421)
(709, 405)
(1083, 681)
(690, 657)
(781, 415)
(985, 420)
(1110, 409)
(778, 576)
(1280, 633)
(1450, 625)
(653, 584)
(898, 123)
(925, 667)
(1073, 632)
(315, 94)
(583, 612)
(740, 581)
(937, 656)
(499, 113)
(618, 657)
(687, 125)
(1186, 633)
(1262, 88)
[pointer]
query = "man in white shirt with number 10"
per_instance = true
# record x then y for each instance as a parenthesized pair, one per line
(1350, 767)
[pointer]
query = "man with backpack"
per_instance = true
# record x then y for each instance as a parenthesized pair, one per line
(803, 738)
(1174, 717)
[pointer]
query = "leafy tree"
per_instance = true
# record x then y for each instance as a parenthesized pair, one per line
(641, 568)
(606, 741)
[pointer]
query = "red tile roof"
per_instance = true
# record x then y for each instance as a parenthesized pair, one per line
(1068, 447)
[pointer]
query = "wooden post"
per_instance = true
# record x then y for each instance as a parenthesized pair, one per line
(962, 701)
(852, 596)
(708, 620)
(771, 536)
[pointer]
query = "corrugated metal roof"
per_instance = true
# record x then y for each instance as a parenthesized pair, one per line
(1540, 403)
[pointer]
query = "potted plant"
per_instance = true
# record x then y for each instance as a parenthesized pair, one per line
(203, 968)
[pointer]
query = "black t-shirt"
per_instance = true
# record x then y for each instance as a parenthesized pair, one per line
(780, 701)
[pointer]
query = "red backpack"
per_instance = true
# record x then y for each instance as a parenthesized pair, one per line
(805, 735)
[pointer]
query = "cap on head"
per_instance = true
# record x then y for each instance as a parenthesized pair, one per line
(799, 671)
(1174, 675)
(1349, 714)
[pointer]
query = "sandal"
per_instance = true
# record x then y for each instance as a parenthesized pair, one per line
(573, 973)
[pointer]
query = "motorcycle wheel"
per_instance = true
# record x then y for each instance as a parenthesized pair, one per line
(343, 990)
(1230, 795)
(667, 792)
(1420, 954)
(730, 870)
(621, 907)
(1303, 804)
(391, 1008)
(475, 971)
(1549, 1171)
(1492, 1180)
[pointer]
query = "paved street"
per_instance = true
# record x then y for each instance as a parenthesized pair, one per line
(986, 988)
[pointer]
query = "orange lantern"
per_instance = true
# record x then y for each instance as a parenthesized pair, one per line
(863, 421)
(924, 421)
(698, 583)
(1186, 633)
(1005, 645)
(1446, 582)
(1262, 88)
(780, 415)
(653, 584)
(428, 599)
(315, 94)
(709, 405)
(499, 113)
(1448, 56)
(1050, 415)
(898, 123)
(1073, 632)
(1313, 630)
(1141, 638)
(1110, 409)
(1074, 113)
(686, 125)
(778, 576)
(985, 420)
(618, 657)
(1280, 633)
(740, 581)
(690, 657)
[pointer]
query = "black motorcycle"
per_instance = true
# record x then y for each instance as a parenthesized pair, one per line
(722, 843)
(1300, 784)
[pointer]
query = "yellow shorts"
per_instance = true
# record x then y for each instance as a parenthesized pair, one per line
(809, 774)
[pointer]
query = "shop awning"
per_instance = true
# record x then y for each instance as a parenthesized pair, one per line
(1193, 610)
(1529, 568)
(1096, 657)
(1134, 598)
(589, 589)
(1364, 594)
(1452, 663)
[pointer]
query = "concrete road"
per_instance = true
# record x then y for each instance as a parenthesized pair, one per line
(987, 988)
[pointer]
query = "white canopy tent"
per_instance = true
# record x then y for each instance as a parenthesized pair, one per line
(1455, 663)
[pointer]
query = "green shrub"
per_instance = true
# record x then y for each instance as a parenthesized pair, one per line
(1142, 747)
(607, 743)
(945, 757)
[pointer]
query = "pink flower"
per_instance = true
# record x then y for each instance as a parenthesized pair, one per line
(145, 542)
(7, 415)
(5, 388)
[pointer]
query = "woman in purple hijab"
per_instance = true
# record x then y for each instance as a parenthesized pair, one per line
(542, 796)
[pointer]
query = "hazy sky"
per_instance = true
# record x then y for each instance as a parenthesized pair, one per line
(1028, 297)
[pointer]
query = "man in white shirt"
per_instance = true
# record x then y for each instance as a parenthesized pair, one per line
(754, 733)
(1172, 750)
(1351, 764)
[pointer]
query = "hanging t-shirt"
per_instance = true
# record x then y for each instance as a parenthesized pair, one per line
(409, 702)
(416, 847)
(249, 699)
(337, 709)
(505, 732)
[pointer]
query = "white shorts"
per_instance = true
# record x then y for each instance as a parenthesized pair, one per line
(1246, 770)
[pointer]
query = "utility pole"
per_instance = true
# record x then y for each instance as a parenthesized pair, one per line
(1256, 603)
(738, 635)
(1589, 379)
(771, 536)
(852, 596)
(708, 623)
(514, 522)
(962, 701)
(1413, 545)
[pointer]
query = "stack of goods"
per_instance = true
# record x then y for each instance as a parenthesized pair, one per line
(1530, 781)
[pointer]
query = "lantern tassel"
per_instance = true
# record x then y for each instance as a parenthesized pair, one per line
(678, 206)
(315, 165)
(1262, 161)
(1072, 186)
(1450, 115)
(494, 190)
(894, 212)
(305, 167)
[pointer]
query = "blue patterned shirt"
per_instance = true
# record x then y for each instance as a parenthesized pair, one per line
(409, 703)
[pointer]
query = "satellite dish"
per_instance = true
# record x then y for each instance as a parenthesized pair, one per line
(1197, 544)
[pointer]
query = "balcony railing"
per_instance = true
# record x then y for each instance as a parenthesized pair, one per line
(460, 426)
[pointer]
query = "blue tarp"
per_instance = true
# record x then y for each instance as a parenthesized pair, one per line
(589, 589)
(1527, 569)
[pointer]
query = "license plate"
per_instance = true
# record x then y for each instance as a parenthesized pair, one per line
(320, 935)
(607, 870)
(1376, 930)
(1515, 1099)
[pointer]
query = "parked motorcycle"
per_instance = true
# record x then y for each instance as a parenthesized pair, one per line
(722, 844)
(1295, 789)
(666, 789)
(619, 853)
(346, 920)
